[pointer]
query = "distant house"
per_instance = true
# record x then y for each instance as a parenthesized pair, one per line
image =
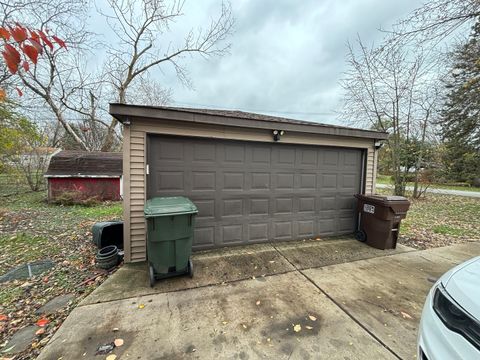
(84, 175)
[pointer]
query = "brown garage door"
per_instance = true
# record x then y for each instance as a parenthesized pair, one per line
(249, 192)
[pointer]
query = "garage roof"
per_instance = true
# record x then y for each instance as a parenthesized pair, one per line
(85, 164)
(127, 113)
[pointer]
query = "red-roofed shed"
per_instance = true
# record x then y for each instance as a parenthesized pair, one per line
(84, 175)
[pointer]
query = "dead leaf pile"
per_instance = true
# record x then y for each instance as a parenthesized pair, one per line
(31, 230)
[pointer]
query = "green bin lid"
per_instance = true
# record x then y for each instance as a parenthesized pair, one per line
(164, 206)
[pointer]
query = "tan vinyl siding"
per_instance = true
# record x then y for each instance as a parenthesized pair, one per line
(137, 194)
(370, 171)
(135, 164)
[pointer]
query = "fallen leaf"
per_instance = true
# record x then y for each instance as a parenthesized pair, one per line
(40, 331)
(244, 326)
(257, 303)
(3, 317)
(405, 315)
(42, 322)
(297, 328)
(111, 357)
(311, 317)
(309, 327)
(118, 342)
(141, 306)
(115, 329)
(224, 322)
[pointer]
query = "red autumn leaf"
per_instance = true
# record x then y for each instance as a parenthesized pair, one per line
(36, 43)
(3, 317)
(4, 33)
(11, 64)
(20, 93)
(31, 52)
(34, 35)
(42, 322)
(19, 33)
(12, 52)
(59, 41)
(12, 58)
(45, 39)
(3, 95)
(26, 66)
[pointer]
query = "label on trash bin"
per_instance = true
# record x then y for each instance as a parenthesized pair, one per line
(369, 208)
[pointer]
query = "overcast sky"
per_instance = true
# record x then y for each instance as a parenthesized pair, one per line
(286, 58)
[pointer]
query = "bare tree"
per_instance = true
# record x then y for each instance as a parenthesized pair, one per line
(139, 26)
(436, 20)
(58, 80)
(383, 87)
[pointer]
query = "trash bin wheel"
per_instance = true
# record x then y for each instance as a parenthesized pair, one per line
(152, 275)
(190, 268)
(360, 235)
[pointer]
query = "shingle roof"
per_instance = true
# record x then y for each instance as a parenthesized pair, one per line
(82, 163)
(124, 112)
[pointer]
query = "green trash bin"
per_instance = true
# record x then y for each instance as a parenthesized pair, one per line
(170, 222)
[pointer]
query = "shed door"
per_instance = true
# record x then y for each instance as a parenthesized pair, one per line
(249, 192)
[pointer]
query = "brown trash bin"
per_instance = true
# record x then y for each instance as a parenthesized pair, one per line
(380, 218)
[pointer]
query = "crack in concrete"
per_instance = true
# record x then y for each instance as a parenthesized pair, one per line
(294, 269)
(339, 305)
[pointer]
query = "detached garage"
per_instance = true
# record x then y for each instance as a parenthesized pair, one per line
(254, 178)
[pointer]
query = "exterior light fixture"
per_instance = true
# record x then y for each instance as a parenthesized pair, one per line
(277, 134)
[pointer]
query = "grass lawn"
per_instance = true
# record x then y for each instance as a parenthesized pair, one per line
(32, 230)
(440, 220)
(386, 180)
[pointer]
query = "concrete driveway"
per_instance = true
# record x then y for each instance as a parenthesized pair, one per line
(333, 299)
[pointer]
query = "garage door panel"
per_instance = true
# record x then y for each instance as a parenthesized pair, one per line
(203, 181)
(326, 203)
(259, 207)
(261, 155)
(283, 158)
(204, 237)
(204, 154)
(260, 181)
(282, 230)
(248, 192)
(284, 181)
(305, 228)
(348, 181)
(345, 226)
(232, 234)
(326, 226)
(169, 180)
(283, 206)
(307, 181)
(232, 207)
(309, 158)
(206, 209)
(233, 181)
(306, 204)
(258, 232)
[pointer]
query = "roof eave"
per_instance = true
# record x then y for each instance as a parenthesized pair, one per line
(126, 113)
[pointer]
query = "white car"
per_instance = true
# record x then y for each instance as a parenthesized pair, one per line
(450, 323)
